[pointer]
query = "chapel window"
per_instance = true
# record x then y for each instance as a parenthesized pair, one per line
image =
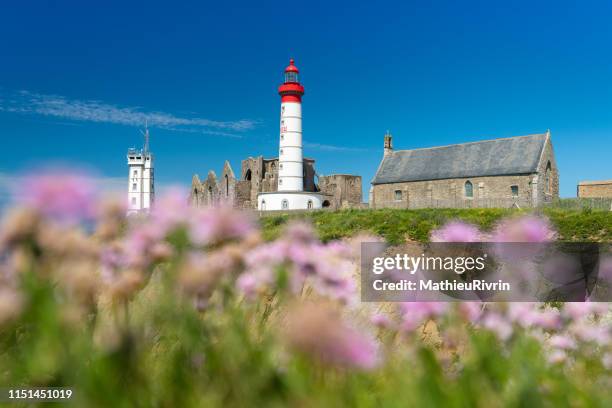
(469, 189)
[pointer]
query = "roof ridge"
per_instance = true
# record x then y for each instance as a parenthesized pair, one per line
(467, 143)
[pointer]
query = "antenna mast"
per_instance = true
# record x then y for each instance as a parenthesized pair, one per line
(146, 136)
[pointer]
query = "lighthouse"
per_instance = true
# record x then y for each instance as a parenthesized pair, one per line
(290, 156)
(290, 194)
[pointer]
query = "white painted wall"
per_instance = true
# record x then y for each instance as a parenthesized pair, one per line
(294, 201)
(290, 155)
(141, 190)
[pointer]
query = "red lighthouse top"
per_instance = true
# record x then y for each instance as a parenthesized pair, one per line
(291, 67)
(291, 90)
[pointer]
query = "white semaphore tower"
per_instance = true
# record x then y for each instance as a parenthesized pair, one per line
(141, 178)
(290, 194)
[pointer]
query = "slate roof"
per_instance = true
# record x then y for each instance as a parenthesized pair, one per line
(513, 155)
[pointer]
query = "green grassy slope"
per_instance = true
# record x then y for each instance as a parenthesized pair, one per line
(398, 225)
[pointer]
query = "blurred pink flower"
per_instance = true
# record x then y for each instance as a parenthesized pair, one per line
(526, 228)
(457, 231)
(381, 320)
(416, 313)
(581, 310)
(562, 341)
(471, 311)
(299, 231)
(216, 224)
(247, 284)
(557, 357)
(318, 330)
(140, 242)
(498, 325)
(171, 210)
(60, 195)
(590, 332)
(547, 319)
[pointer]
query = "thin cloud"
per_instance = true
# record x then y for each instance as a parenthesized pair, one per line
(26, 102)
(332, 148)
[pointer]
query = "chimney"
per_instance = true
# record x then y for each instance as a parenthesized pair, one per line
(388, 144)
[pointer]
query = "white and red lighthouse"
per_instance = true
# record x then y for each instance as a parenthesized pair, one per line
(290, 156)
(290, 194)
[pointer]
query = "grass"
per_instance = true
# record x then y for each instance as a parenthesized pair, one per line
(398, 225)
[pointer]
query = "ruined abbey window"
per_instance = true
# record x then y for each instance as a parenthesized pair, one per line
(548, 179)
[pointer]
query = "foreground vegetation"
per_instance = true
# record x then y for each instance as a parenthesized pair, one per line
(397, 225)
(192, 307)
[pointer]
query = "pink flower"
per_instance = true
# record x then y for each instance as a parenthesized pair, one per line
(216, 224)
(589, 332)
(498, 325)
(561, 341)
(457, 231)
(415, 313)
(247, 284)
(299, 231)
(171, 210)
(61, 195)
(547, 319)
(317, 330)
(380, 320)
(527, 228)
(557, 357)
(580, 310)
(471, 310)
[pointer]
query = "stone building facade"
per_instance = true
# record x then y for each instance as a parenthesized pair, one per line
(260, 175)
(512, 172)
(595, 189)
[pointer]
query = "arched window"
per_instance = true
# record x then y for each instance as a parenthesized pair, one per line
(309, 204)
(247, 175)
(226, 186)
(469, 189)
(285, 204)
(548, 179)
(263, 205)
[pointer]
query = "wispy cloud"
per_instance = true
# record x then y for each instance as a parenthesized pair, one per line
(26, 102)
(332, 148)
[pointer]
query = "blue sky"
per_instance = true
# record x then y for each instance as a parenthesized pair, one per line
(77, 80)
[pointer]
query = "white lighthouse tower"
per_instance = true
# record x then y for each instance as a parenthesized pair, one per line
(141, 178)
(290, 194)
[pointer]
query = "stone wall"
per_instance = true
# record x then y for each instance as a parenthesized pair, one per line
(344, 190)
(257, 175)
(595, 189)
(546, 182)
(451, 193)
